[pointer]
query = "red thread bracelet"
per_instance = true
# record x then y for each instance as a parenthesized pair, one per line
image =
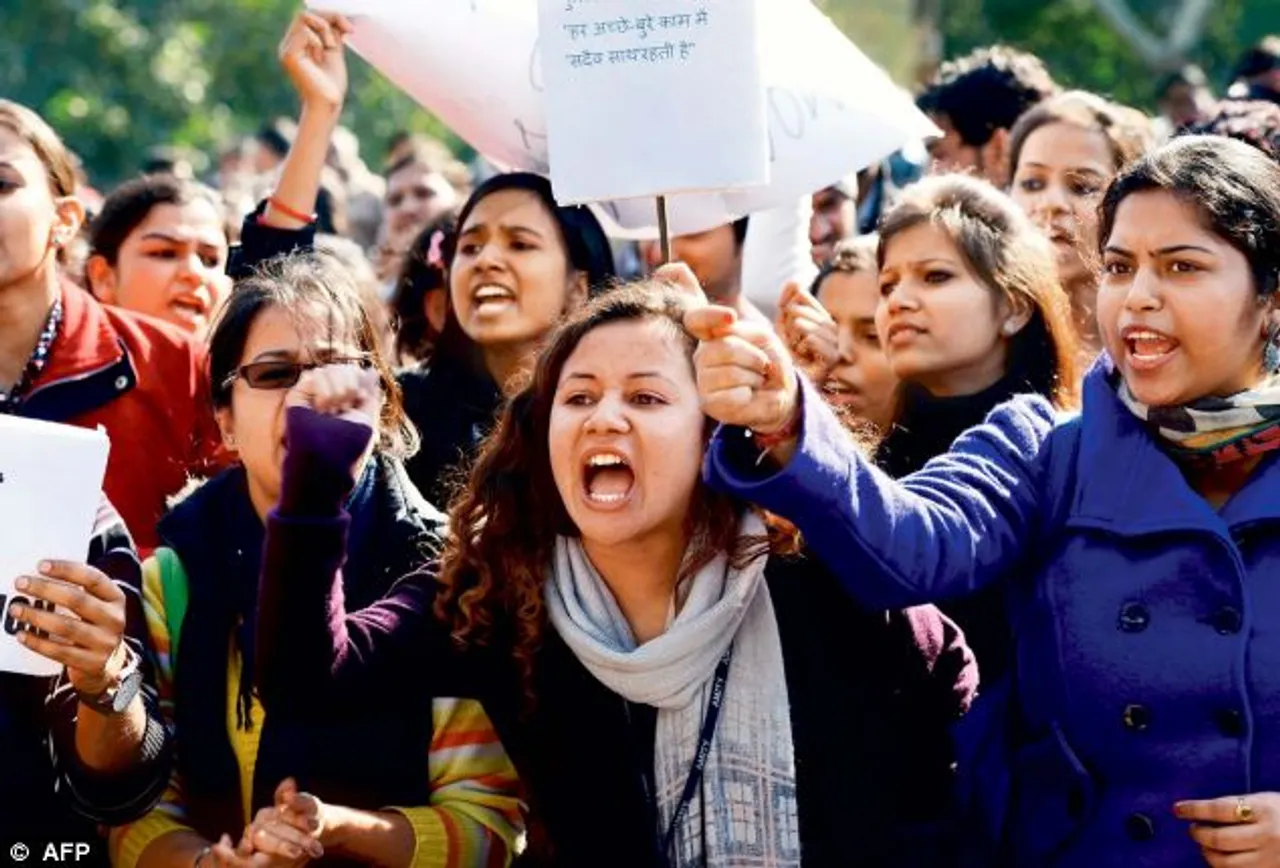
(290, 212)
(782, 435)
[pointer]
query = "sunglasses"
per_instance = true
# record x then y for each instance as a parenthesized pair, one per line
(283, 374)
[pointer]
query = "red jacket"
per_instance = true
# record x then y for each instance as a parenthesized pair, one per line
(146, 383)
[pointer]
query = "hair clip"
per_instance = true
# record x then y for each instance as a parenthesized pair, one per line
(435, 258)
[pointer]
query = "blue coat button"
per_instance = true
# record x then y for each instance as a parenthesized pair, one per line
(1139, 827)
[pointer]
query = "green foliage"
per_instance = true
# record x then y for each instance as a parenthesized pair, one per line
(118, 77)
(1083, 50)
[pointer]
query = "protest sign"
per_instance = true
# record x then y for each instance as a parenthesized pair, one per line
(668, 90)
(50, 490)
(477, 65)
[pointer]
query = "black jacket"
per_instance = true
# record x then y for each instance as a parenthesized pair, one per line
(45, 795)
(872, 696)
(453, 409)
(363, 756)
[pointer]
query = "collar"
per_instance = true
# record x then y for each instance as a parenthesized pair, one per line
(87, 341)
(1129, 485)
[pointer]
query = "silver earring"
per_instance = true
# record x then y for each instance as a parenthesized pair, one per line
(1009, 328)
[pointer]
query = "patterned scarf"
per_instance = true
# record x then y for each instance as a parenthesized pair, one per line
(749, 787)
(1216, 431)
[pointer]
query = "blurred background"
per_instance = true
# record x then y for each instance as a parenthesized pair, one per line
(181, 81)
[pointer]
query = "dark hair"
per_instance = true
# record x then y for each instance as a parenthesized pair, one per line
(987, 90)
(1010, 256)
(276, 137)
(1260, 58)
(300, 284)
(1187, 76)
(1254, 122)
(849, 256)
(1235, 187)
(59, 163)
(1127, 131)
(504, 523)
(740, 227)
(586, 247)
(421, 273)
(127, 206)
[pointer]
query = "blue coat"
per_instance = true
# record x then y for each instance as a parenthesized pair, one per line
(1147, 625)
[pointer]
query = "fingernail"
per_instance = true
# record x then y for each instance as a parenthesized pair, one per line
(22, 583)
(46, 567)
(21, 637)
(16, 610)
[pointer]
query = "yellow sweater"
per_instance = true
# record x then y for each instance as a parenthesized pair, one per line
(474, 817)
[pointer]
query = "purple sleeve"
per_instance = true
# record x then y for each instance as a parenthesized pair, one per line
(954, 527)
(308, 645)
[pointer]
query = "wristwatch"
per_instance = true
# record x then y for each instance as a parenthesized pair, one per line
(116, 699)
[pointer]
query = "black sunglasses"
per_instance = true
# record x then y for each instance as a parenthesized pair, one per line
(283, 374)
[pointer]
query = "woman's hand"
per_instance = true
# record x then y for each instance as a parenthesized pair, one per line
(745, 375)
(346, 391)
(810, 332)
(90, 644)
(224, 854)
(302, 810)
(313, 56)
(1236, 831)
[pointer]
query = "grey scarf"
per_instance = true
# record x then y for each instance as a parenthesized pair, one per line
(749, 786)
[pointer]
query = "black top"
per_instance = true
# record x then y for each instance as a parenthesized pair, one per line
(453, 408)
(927, 427)
(47, 796)
(872, 695)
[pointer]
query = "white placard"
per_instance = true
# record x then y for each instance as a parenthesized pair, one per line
(648, 97)
(477, 65)
(50, 490)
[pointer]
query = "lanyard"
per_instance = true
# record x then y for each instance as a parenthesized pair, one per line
(703, 753)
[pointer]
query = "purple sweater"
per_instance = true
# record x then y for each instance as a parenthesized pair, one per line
(316, 646)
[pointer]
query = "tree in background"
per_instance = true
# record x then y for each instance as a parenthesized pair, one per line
(1114, 47)
(119, 77)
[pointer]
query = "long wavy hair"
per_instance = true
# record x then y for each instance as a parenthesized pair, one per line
(505, 521)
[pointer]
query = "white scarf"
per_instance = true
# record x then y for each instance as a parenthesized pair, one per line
(749, 786)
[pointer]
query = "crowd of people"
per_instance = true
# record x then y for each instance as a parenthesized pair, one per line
(441, 529)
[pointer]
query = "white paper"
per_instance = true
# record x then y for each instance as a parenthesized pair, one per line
(50, 490)
(476, 65)
(648, 97)
(776, 252)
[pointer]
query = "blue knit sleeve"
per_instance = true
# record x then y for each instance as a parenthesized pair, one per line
(949, 530)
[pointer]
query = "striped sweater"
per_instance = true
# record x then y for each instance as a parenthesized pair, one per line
(474, 818)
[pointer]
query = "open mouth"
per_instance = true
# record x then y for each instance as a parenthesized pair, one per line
(1147, 348)
(189, 308)
(492, 299)
(607, 479)
(840, 392)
